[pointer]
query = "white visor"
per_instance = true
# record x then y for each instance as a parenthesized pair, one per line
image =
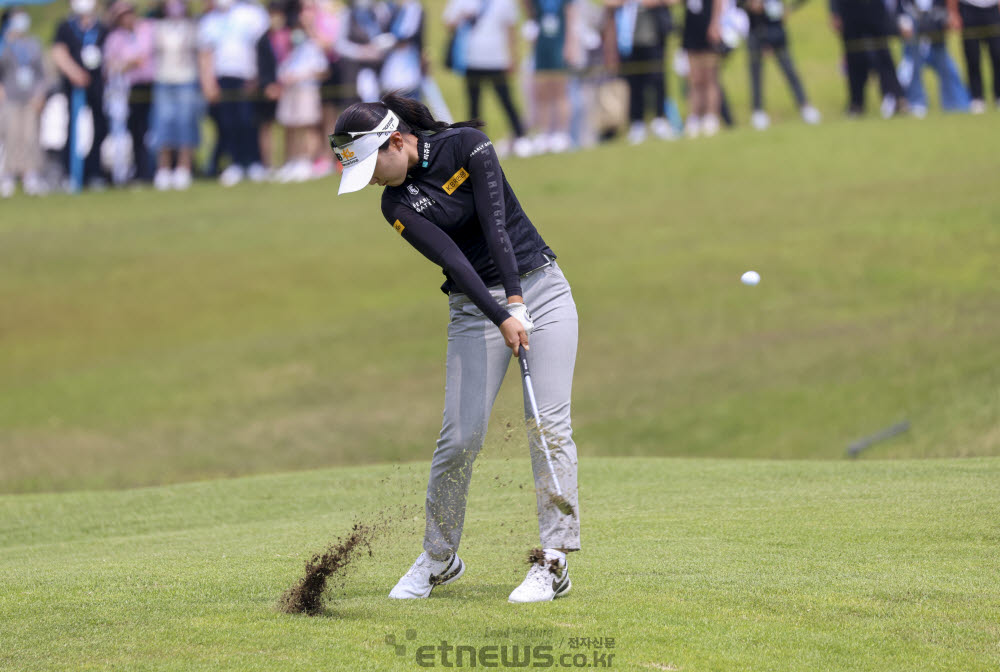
(360, 155)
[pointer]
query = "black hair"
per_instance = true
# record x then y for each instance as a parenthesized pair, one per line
(414, 117)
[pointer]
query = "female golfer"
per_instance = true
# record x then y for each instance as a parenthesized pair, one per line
(446, 195)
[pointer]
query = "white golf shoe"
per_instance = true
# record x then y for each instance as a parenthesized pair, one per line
(425, 574)
(548, 578)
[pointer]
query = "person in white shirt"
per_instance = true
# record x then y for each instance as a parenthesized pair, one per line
(486, 45)
(227, 40)
(177, 104)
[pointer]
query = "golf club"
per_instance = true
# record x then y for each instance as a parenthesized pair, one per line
(560, 501)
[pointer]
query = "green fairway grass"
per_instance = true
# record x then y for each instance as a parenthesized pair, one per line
(149, 338)
(689, 564)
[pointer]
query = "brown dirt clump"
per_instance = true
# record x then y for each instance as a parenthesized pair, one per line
(306, 596)
(536, 556)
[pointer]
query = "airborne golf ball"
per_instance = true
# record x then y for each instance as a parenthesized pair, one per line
(750, 278)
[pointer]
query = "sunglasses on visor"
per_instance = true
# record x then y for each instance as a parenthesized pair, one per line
(340, 139)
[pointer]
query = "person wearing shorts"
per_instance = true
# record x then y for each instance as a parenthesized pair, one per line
(701, 42)
(299, 106)
(555, 48)
(177, 102)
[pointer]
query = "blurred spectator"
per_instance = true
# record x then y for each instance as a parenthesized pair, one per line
(128, 53)
(556, 47)
(640, 33)
(77, 52)
(321, 21)
(402, 71)
(299, 106)
(227, 39)
(22, 94)
(273, 45)
(701, 41)
(485, 46)
(979, 21)
(768, 34)
(587, 76)
(363, 42)
(923, 23)
(177, 103)
(865, 27)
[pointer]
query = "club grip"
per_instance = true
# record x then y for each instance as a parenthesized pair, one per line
(522, 357)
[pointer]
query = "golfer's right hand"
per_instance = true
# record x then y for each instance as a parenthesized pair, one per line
(514, 334)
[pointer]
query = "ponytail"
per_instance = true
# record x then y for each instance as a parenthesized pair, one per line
(414, 117)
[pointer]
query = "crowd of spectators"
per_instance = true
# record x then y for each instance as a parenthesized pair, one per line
(122, 93)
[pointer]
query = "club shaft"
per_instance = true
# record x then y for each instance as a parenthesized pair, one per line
(526, 375)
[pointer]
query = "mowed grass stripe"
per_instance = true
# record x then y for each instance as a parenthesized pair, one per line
(150, 338)
(699, 564)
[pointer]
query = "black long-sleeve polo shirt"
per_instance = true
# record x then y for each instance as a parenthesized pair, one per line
(457, 208)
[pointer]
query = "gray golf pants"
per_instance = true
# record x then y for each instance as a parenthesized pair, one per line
(478, 358)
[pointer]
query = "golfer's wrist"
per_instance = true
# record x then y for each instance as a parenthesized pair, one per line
(514, 298)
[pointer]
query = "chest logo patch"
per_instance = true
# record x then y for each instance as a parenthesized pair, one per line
(412, 189)
(399, 227)
(456, 181)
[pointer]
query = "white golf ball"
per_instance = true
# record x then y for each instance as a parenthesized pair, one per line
(750, 278)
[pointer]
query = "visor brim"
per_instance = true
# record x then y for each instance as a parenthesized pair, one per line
(358, 176)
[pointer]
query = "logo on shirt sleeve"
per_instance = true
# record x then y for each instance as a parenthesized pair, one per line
(399, 227)
(456, 181)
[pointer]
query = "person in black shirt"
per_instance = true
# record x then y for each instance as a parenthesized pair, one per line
(446, 195)
(77, 52)
(865, 27)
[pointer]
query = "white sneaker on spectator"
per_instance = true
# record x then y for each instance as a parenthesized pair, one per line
(303, 171)
(759, 120)
(692, 128)
(637, 133)
(231, 176)
(810, 115)
(710, 125)
(888, 108)
(7, 187)
(163, 180)
(662, 129)
(523, 147)
(181, 179)
(977, 106)
(560, 143)
(33, 185)
(281, 175)
(919, 111)
(258, 173)
(540, 144)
